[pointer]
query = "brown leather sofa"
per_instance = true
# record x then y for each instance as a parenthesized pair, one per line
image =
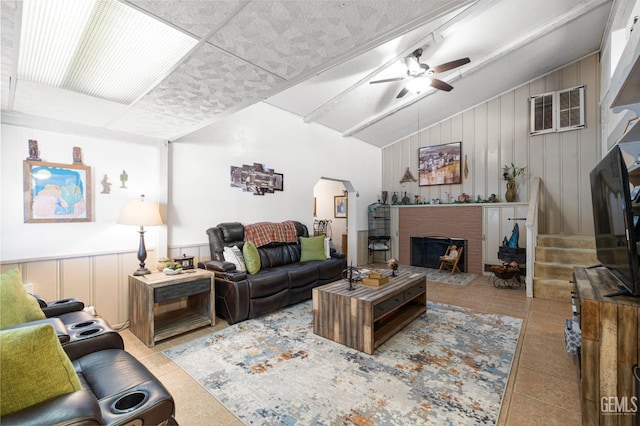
(282, 280)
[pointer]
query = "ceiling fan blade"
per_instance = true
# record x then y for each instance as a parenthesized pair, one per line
(451, 65)
(440, 85)
(387, 80)
(403, 92)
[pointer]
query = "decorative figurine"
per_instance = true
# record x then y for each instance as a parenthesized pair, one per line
(106, 185)
(393, 264)
(350, 277)
(124, 177)
(453, 253)
(33, 151)
(77, 155)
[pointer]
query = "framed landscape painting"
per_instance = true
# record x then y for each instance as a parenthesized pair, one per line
(440, 164)
(56, 192)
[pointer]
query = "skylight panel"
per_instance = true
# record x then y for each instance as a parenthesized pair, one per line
(100, 48)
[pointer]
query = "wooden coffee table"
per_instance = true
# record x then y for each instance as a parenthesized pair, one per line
(366, 317)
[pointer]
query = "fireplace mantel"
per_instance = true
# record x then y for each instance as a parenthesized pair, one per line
(483, 228)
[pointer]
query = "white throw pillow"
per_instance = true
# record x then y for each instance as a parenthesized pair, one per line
(234, 255)
(327, 248)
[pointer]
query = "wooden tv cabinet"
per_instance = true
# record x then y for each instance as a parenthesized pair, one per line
(610, 349)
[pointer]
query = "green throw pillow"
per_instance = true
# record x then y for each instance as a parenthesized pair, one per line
(18, 306)
(251, 257)
(312, 248)
(35, 368)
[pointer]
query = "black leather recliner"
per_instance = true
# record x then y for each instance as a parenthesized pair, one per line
(282, 280)
(80, 333)
(116, 389)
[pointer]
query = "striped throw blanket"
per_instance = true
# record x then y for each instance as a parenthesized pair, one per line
(263, 233)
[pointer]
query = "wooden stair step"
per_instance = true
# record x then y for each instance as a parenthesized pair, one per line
(560, 271)
(574, 256)
(553, 289)
(566, 241)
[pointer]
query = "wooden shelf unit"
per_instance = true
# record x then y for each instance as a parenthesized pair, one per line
(610, 348)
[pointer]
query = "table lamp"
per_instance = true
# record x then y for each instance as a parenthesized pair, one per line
(140, 213)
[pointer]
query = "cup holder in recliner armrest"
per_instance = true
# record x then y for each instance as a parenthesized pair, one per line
(60, 302)
(129, 402)
(89, 332)
(83, 324)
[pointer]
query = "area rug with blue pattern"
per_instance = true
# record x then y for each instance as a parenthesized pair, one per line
(450, 366)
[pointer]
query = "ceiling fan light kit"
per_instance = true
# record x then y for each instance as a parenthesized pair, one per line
(418, 85)
(420, 75)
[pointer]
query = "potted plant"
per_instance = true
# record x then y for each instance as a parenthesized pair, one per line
(172, 268)
(510, 174)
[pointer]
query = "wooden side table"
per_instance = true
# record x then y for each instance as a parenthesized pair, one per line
(148, 292)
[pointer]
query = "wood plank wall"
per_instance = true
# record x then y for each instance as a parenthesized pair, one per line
(496, 133)
(99, 280)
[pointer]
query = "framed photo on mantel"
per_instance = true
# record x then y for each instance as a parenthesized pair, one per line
(440, 164)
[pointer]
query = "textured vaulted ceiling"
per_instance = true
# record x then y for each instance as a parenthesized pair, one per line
(316, 58)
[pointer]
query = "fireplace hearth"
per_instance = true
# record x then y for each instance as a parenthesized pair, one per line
(426, 251)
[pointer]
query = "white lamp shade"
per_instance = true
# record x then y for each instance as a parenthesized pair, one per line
(140, 213)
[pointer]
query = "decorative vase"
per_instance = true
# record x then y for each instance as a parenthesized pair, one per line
(405, 199)
(394, 198)
(385, 195)
(511, 193)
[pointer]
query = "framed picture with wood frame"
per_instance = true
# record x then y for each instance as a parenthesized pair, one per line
(56, 192)
(340, 206)
(440, 164)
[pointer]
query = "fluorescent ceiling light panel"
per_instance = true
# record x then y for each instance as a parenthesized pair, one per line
(100, 48)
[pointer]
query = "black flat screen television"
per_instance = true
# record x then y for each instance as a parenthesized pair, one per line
(617, 227)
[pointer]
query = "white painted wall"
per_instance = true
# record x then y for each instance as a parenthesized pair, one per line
(496, 133)
(200, 193)
(25, 241)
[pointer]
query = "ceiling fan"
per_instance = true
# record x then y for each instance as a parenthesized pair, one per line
(421, 74)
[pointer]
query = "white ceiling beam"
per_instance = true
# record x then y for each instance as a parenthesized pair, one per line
(433, 37)
(521, 41)
(13, 78)
(396, 32)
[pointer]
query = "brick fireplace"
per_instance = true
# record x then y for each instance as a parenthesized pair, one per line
(459, 221)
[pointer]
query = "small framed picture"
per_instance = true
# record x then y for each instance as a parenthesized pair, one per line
(340, 206)
(632, 122)
(278, 181)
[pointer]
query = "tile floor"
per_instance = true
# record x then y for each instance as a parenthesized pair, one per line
(543, 385)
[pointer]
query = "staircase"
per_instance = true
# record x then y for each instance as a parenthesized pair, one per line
(556, 255)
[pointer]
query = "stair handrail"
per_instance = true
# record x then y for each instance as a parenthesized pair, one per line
(532, 232)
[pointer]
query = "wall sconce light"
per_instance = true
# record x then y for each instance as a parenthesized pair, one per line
(140, 213)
